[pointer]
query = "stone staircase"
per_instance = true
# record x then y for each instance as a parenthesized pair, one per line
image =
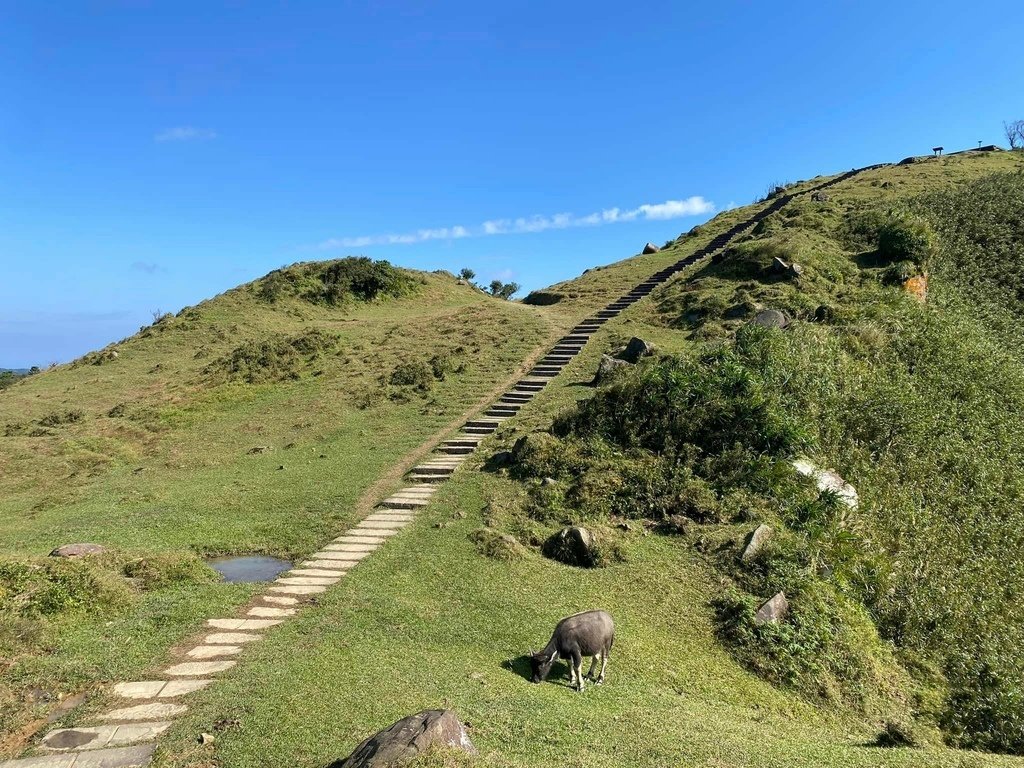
(125, 736)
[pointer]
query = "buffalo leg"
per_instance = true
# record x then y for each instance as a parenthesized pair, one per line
(594, 661)
(604, 665)
(576, 660)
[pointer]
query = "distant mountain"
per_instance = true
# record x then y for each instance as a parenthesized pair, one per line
(18, 371)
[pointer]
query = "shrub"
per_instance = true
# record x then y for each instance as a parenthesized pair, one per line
(496, 545)
(415, 373)
(904, 238)
(169, 569)
(59, 418)
(58, 585)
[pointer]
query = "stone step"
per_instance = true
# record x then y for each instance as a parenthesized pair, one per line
(462, 441)
(202, 668)
(507, 407)
(532, 387)
(433, 470)
(110, 757)
(422, 478)
(555, 360)
(403, 502)
(165, 689)
(455, 450)
(516, 397)
(482, 423)
(479, 430)
(549, 372)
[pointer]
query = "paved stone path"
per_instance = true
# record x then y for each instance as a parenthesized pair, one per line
(125, 736)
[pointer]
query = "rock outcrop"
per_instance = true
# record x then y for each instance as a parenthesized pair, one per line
(573, 545)
(650, 248)
(772, 611)
(78, 550)
(635, 349)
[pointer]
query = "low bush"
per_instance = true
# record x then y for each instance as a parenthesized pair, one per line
(273, 359)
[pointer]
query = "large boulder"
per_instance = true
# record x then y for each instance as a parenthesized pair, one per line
(772, 611)
(607, 367)
(770, 318)
(573, 545)
(78, 550)
(651, 248)
(635, 349)
(408, 738)
(756, 541)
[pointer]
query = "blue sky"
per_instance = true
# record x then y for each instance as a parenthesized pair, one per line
(154, 154)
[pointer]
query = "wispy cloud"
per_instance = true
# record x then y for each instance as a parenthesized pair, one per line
(670, 209)
(149, 267)
(185, 133)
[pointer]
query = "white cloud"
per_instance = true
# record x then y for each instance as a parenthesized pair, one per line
(670, 209)
(185, 133)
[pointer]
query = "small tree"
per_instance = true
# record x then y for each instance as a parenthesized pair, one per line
(1014, 131)
(495, 287)
(467, 274)
(508, 290)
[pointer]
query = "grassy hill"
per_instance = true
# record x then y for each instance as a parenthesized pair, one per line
(904, 609)
(251, 423)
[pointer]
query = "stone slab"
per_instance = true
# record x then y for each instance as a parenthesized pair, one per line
(351, 547)
(199, 668)
(116, 757)
(290, 589)
(98, 736)
(229, 638)
(316, 572)
(348, 557)
(279, 600)
(385, 516)
(243, 624)
(156, 711)
(375, 540)
(372, 525)
(301, 581)
(182, 687)
(152, 689)
(267, 611)
(360, 532)
(213, 651)
(338, 567)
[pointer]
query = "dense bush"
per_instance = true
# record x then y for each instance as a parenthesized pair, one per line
(905, 238)
(336, 282)
(413, 373)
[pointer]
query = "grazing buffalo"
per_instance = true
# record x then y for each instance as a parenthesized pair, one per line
(591, 633)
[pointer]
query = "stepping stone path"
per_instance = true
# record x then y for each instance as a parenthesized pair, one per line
(125, 735)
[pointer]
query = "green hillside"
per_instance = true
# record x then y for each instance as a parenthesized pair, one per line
(901, 647)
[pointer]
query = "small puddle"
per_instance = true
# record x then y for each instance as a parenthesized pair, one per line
(248, 568)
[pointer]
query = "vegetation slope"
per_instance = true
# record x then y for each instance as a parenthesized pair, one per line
(902, 639)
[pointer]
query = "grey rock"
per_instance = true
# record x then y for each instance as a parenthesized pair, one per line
(795, 270)
(651, 248)
(409, 738)
(573, 545)
(756, 541)
(772, 611)
(820, 197)
(78, 550)
(635, 349)
(770, 318)
(548, 481)
(607, 367)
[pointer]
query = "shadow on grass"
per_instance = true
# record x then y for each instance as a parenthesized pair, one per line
(521, 666)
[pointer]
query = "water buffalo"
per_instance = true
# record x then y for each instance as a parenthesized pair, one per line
(590, 633)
